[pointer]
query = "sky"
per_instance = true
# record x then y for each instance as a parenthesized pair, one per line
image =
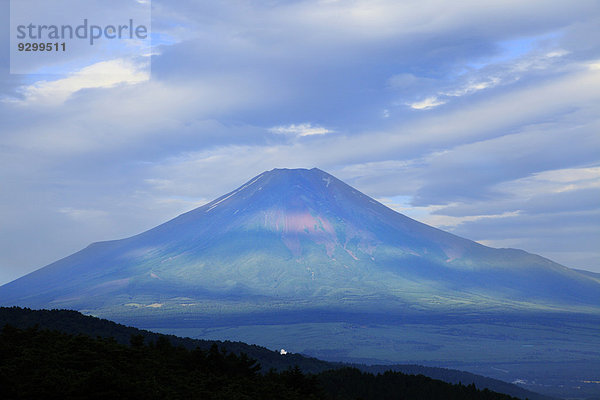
(479, 118)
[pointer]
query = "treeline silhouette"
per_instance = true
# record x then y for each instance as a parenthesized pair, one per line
(74, 322)
(43, 364)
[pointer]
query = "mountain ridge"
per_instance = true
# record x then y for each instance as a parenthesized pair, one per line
(304, 233)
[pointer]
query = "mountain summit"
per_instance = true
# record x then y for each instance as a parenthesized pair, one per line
(298, 240)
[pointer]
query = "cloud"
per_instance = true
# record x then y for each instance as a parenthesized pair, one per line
(550, 213)
(82, 214)
(568, 238)
(305, 129)
(471, 116)
(104, 74)
(429, 102)
(476, 79)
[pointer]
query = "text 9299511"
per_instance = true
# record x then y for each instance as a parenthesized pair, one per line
(42, 46)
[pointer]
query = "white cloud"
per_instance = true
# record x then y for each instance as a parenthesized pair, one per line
(305, 129)
(472, 87)
(104, 74)
(487, 77)
(429, 102)
(594, 65)
(553, 182)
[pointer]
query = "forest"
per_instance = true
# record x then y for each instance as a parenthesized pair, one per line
(52, 364)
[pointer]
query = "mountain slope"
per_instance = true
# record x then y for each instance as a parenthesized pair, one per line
(292, 240)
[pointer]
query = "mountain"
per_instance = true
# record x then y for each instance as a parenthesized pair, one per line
(297, 259)
(298, 239)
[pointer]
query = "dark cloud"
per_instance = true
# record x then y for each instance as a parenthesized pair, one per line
(570, 238)
(472, 171)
